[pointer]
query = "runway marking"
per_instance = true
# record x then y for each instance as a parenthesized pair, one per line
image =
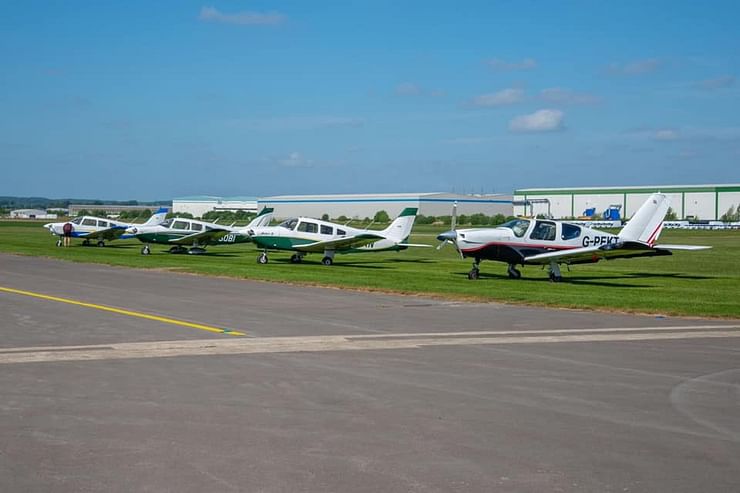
(121, 311)
(264, 345)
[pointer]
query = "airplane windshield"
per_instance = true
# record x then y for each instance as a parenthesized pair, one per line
(167, 223)
(76, 220)
(518, 226)
(289, 224)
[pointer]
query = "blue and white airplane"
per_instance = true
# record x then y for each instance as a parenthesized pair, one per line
(91, 228)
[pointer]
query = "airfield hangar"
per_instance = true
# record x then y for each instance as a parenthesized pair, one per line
(360, 206)
(699, 202)
(200, 204)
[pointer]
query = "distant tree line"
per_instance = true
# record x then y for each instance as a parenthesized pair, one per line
(477, 219)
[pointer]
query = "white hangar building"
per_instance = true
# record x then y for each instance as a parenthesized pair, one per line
(200, 204)
(708, 202)
(360, 206)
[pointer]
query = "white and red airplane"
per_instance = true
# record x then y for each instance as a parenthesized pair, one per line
(546, 242)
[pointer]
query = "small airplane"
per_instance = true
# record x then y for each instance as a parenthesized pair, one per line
(192, 236)
(91, 228)
(525, 241)
(304, 235)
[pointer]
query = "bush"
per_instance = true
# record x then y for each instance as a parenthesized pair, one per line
(381, 217)
(325, 217)
(732, 214)
(670, 215)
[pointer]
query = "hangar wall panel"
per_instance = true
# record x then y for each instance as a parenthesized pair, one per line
(600, 201)
(727, 200)
(700, 205)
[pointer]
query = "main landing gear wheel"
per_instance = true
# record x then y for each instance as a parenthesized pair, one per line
(145, 250)
(513, 272)
(327, 261)
(474, 274)
(59, 243)
(262, 259)
(101, 243)
(296, 259)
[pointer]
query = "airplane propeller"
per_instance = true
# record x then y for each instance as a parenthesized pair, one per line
(451, 235)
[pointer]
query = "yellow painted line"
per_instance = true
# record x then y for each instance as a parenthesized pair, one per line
(124, 312)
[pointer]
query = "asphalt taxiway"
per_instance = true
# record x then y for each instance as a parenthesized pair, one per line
(125, 380)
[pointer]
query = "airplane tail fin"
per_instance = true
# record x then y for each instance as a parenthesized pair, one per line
(157, 218)
(400, 228)
(262, 219)
(646, 224)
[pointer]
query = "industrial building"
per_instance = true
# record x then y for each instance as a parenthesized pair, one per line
(200, 204)
(360, 206)
(31, 214)
(701, 202)
(110, 209)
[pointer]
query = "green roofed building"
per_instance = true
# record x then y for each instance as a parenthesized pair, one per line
(706, 202)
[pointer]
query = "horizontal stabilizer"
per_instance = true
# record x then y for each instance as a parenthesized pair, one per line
(690, 248)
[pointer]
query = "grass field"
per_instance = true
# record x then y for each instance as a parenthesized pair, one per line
(705, 283)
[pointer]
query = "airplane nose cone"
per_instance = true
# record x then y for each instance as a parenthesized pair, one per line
(447, 236)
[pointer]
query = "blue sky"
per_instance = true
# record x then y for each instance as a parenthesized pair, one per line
(153, 100)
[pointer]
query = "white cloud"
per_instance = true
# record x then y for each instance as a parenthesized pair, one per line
(665, 134)
(295, 160)
(539, 121)
(637, 67)
(717, 83)
(408, 89)
(566, 96)
(243, 18)
(503, 66)
(500, 98)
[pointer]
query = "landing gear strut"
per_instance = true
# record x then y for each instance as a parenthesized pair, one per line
(59, 243)
(513, 272)
(555, 275)
(475, 271)
(145, 250)
(262, 259)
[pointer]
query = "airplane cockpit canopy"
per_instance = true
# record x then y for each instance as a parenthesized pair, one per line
(76, 220)
(167, 223)
(517, 226)
(289, 224)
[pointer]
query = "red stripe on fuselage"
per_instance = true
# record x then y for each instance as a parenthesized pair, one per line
(520, 245)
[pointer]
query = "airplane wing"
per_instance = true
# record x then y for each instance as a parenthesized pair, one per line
(584, 255)
(339, 243)
(422, 245)
(107, 234)
(202, 237)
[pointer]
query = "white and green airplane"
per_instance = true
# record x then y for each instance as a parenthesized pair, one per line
(304, 235)
(193, 236)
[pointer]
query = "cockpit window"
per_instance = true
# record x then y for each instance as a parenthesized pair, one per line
(518, 226)
(196, 226)
(307, 227)
(543, 230)
(89, 222)
(289, 224)
(180, 225)
(167, 223)
(76, 220)
(570, 231)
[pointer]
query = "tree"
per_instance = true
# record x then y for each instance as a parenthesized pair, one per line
(381, 217)
(498, 219)
(732, 214)
(325, 217)
(83, 212)
(670, 215)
